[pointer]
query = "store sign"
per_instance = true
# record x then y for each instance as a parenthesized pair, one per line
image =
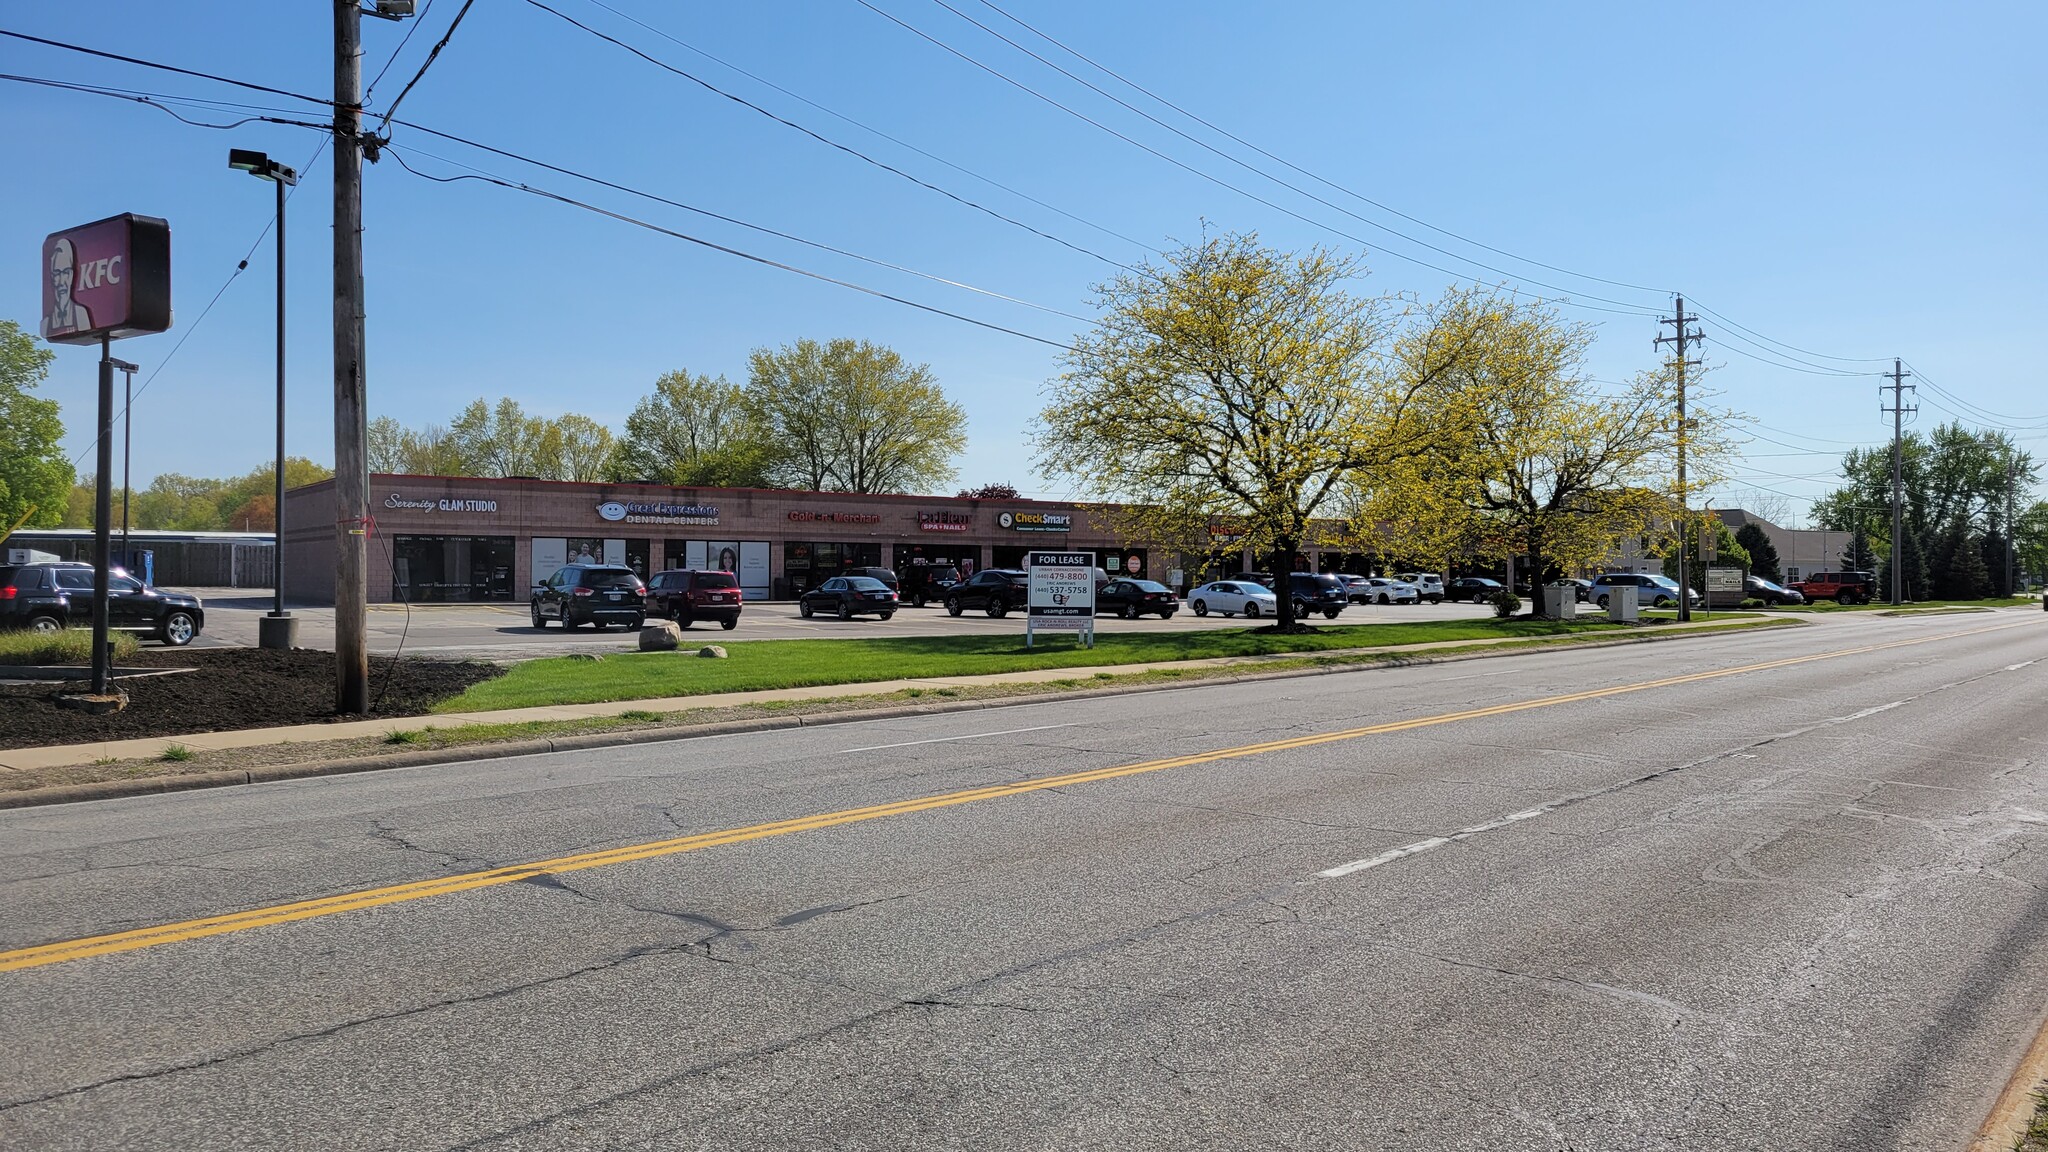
(944, 521)
(835, 517)
(1724, 579)
(108, 279)
(659, 512)
(422, 504)
(1036, 521)
(1062, 594)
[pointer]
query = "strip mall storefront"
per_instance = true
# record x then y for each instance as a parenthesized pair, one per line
(463, 539)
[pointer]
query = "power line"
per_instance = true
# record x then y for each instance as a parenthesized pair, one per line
(2034, 421)
(410, 28)
(719, 216)
(872, 130)
(1791, 347)
(1098, 66)
(730, 251)
(162, 103)
(167, 68)
(1793, 367)
(432, 56)
(1625, 310)
(854, 152)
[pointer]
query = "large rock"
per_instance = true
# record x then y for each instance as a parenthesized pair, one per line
(660, 636)
(712, 651)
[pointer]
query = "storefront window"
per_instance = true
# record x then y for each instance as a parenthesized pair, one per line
(807, 564)
(441, 568)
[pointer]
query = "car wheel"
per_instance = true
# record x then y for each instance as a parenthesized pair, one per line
(1436, 599)
(177, 630)
(952, 605)
(639, 622)
(887, 615)
(682, 619)
(1166, 615)
(1130, 612)
(1201, 607)
(45, 624)
(539, 621)
(1383, 598)
(568, 621)
(1844, 598)
(1661, 602)
(1331, 613)
(997, 609)
(803, 609)
(1603, 603)
(845, 611)
(917, 602)
(729, 623)
(1251, 610)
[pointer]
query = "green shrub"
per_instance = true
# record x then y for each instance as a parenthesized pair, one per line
(1505, 603)
(71, 646)
(177, 753)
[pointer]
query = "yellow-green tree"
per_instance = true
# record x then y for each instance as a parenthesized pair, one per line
(35, 478)
(1530, 456)
(1234, 384)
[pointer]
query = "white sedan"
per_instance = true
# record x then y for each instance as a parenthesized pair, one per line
(1380, 590)
(1231, 597)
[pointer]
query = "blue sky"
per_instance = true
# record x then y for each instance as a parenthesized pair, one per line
(1853, 180)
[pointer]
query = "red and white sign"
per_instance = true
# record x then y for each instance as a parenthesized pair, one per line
(944, 522)
(108, 279)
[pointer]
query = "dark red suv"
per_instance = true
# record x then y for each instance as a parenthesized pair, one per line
(687, 595)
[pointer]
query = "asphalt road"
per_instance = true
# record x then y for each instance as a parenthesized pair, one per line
(504, 631)
(1557, 901)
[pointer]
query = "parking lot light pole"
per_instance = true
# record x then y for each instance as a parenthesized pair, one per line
(128, 371)
(280, 628)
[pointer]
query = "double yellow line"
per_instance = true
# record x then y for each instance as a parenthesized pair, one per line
(140, 938)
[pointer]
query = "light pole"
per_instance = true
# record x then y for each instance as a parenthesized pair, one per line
(278, 629)
(128, 371)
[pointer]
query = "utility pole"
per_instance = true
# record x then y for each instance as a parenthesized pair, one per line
(2011, 477)
(351, 474)
(1683, 337)
(1898, 413)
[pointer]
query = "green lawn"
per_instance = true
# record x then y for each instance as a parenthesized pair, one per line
(769, 664)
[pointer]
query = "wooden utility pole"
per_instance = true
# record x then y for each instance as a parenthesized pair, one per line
(1898, 412)
(351, 469)
(1683, 337)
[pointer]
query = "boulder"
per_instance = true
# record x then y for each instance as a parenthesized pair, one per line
(712, 651)
(660, 636)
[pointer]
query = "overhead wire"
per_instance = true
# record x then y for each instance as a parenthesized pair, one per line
(162, 103)
(1568, 299)
(432, 56)
(410, 28)
(622, 217)
(826, 140)
(167, 68)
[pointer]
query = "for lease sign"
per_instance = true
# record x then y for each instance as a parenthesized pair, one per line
(1062, 590)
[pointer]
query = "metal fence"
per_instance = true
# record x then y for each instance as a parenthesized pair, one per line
(176, 563)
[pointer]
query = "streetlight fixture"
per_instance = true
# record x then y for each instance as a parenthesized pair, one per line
(279, 628)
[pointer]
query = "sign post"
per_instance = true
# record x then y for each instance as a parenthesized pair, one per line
(1062, 595)
(103, 282)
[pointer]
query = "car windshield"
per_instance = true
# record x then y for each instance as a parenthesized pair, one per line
(866, 584)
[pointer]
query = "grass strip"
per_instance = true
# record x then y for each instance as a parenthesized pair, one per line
(766, 665)
(70, 646)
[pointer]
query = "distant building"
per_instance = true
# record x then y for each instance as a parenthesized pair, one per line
(1801, 551)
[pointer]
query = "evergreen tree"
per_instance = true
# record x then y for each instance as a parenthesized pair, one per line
(1763, 555)
(1913, 565)
(1858, 557)
(1994, 563)
(1959, 571)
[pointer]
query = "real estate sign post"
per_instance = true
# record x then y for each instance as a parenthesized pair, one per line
(1062, 595)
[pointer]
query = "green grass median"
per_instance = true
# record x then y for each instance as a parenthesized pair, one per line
(773, 664)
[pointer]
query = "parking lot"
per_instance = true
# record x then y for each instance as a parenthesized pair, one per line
(502, 631)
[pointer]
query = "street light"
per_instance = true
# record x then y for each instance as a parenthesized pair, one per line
(279, 628)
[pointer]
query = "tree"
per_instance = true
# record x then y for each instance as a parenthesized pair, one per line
(2030, 538)
(504, 441)
(1856, 555)
(1912, 569)
(1528, 456)
(35, 477)
(1232, 384)
(1958, 568)
(695, 431)
(850, 416)
(989, 492)
(1769, 506)
(1763, 555)
(581, 447)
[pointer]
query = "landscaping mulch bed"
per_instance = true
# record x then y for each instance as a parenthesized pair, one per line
(233, 688)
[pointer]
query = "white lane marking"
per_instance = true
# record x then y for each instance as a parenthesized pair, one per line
(2020, 665)
(1407, 850)
(947, 739)
(1869, 712)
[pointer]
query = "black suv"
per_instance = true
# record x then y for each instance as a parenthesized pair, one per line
(52, 597)
(994, 590)
(687, 595)
(1312, 593)
(600, 594)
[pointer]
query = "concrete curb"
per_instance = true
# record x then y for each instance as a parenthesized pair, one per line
(156, 785)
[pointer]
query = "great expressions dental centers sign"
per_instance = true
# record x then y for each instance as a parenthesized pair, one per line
(660, 512)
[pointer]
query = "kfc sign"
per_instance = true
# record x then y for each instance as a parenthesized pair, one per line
(108, 279)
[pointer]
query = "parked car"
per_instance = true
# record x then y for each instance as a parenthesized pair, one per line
(1652, 590)
(53, 597)
(596, 594)
(1758, 588)
(1429, 585)
(847, 597)
(1477, 589)
(1262, 579)
(1841, 587)
(925, 584)
(886, 575)
(1134, 598)
(1381, 590)
(687, 595)
(1314, 593)
(993, 590)
(1232, 597)
(1584, 587)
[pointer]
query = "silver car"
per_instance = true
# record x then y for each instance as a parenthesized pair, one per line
(1232, 597)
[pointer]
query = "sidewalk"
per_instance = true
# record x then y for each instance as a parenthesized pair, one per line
(23, 759)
